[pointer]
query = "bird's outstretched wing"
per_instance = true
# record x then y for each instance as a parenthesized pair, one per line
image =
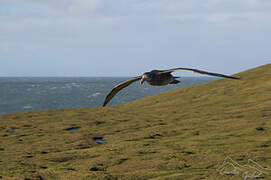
(197, 71)
(119, 87)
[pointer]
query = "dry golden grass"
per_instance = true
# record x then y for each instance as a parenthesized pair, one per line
(181, 134)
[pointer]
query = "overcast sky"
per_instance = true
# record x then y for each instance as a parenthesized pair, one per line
(129, 37)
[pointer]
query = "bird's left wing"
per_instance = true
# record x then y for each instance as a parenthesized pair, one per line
(119, 87)
(197, 71)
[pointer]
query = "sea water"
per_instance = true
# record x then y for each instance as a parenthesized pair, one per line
(21, 94)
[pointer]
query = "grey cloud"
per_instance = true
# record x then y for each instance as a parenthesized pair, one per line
(135, 34)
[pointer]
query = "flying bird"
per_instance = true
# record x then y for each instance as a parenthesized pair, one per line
(158, 78)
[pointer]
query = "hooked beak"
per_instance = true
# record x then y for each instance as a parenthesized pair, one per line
(142, 79)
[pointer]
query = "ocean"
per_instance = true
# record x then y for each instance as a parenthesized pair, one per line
(21, 94)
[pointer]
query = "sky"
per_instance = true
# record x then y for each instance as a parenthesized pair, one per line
(129, 37)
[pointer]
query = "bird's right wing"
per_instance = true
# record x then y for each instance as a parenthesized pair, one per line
(197, 71)
(119, 87)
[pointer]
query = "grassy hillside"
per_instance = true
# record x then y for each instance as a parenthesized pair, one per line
(181, 134)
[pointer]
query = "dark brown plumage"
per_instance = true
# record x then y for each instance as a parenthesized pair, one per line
(158, 78)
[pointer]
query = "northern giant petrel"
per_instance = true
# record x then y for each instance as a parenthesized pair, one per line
(158, 78)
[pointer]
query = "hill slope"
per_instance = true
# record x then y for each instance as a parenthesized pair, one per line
(181, 134)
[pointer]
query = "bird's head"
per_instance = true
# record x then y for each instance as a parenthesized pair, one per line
(143, 78)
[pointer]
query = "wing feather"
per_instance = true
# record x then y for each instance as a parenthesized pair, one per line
(119, 87)
(197, 71)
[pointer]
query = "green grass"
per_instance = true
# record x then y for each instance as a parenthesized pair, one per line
(180, 134)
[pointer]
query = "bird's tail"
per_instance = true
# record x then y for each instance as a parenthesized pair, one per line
(175, 82)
